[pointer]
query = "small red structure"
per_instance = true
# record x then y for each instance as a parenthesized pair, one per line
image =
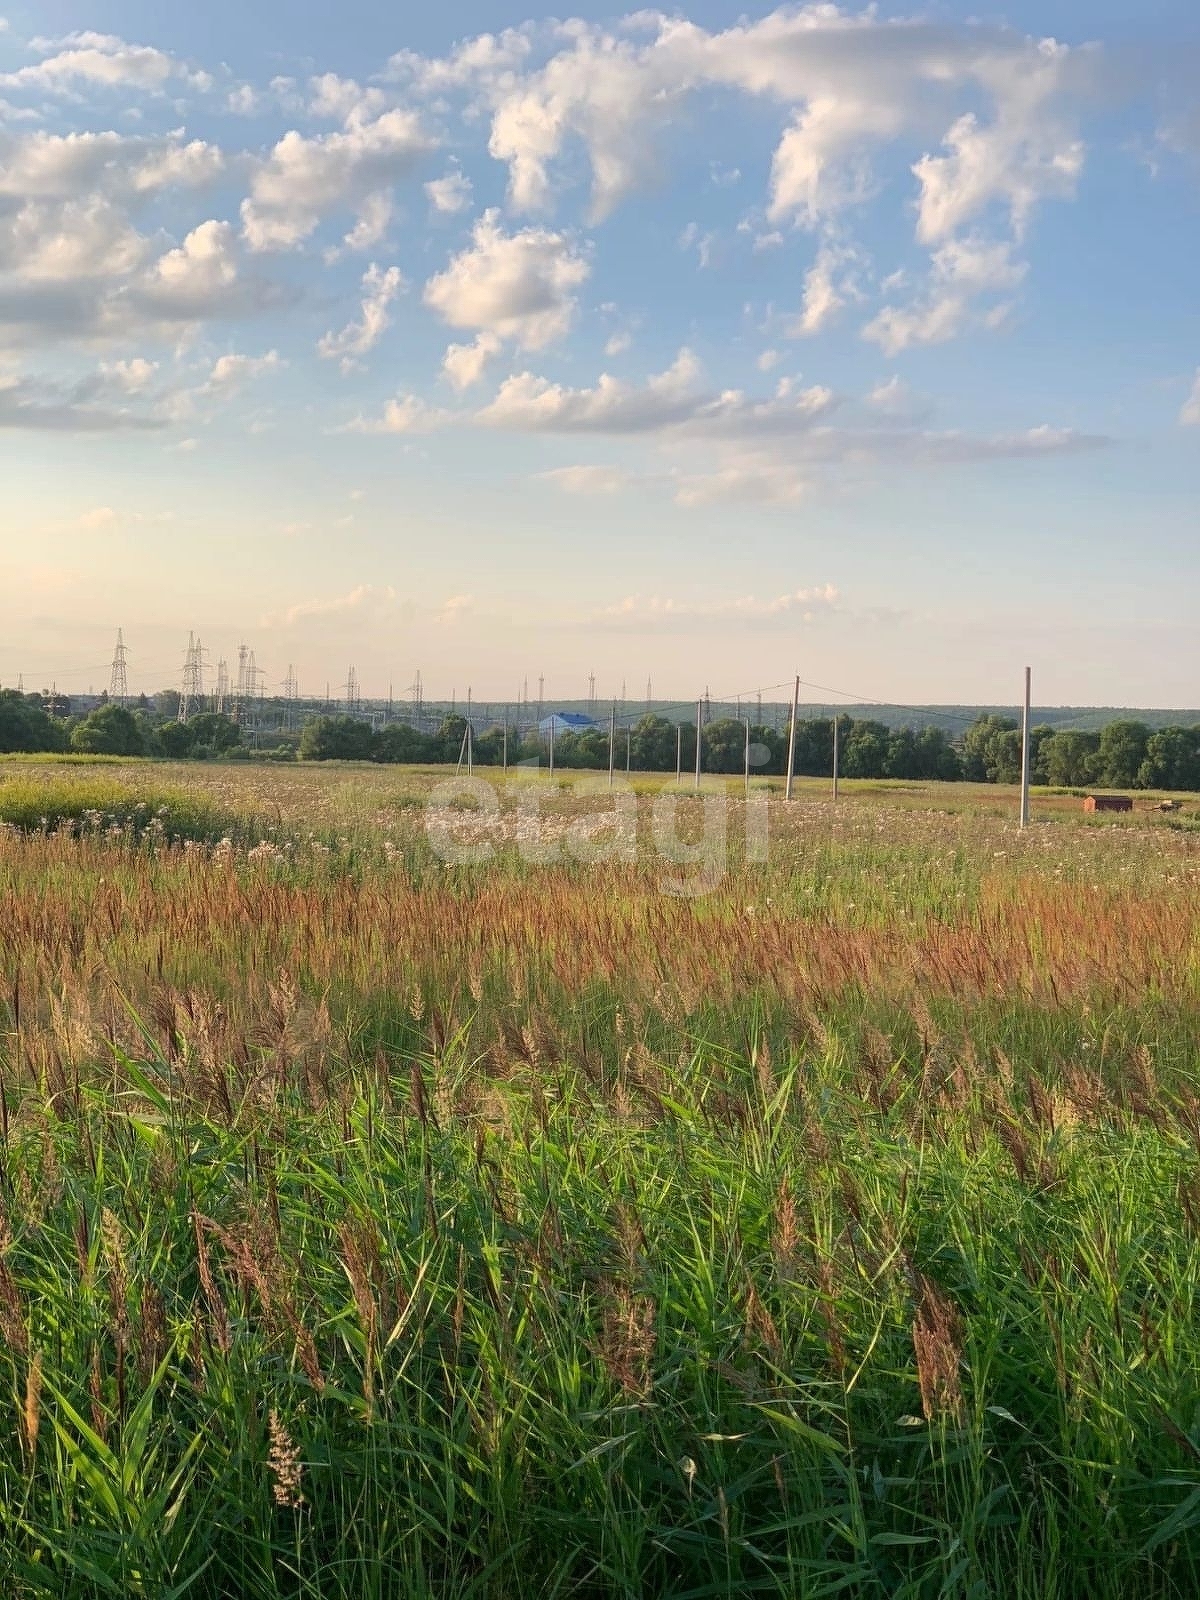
(1108, 802)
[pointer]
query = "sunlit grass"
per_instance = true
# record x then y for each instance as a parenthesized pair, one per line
(373, 1226)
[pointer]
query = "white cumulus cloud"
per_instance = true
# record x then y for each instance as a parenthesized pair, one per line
(520, 286)
(380, 288)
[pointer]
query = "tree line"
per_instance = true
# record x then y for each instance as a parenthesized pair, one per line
(1126, 754)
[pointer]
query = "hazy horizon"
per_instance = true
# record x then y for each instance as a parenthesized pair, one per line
(861, 343)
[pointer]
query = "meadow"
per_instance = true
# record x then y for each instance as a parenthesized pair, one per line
(379, 1224)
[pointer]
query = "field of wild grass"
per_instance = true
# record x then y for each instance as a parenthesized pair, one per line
(372, 1225)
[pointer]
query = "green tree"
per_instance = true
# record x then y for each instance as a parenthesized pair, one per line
(903, 755)
(864, 752)
(1070, 758)
(109, 731)
(937, 756)
(175, 739)
(1122, 751)
(402, 745)
(25, 725)
(1172, 760)
(336, 739)
(723, 746)
(212, 731)
(653, 745)
(987, 755)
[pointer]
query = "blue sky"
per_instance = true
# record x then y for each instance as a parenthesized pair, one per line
(707, 347)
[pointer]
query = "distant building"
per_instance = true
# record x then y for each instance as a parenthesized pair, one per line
(1108, 802)
(565, 722)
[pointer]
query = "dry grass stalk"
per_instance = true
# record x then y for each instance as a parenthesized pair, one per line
(31, 1412)
(937, 1336)
(284, 1464)
(628, 1339)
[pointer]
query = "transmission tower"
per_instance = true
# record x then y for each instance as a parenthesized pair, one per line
(118, 684)
(291, 693)
(649, 693)
(591, 703)
(240, 692)
(221, 693)
(417, 693)
(192, 694)
(541, 695)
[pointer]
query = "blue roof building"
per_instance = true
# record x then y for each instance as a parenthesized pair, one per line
(565, 722)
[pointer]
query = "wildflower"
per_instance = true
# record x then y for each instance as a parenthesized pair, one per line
(285, 1465)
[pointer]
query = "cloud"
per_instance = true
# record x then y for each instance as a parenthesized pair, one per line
(80, 166)
(199, 278)
(406, 413)
(365, 597)
(230, 372)
(374, 219)
(450, 194)
(849, 81)
(380, 288)
(585, 480)
(30, 403)
(674, 400)
(344, 100)
(103, 61)
(962, 271)
(895, 401)
(130, 377)
(804, 604)
(465, 364)
(1019, 160)
(454, 609)
(304, 180)
(745, 476)
(100, 517)
(519, 286)
(827, 286)
(1189, 415)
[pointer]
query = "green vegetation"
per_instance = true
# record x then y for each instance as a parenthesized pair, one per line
(374, 1227)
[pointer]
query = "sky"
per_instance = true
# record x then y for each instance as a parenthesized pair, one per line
(703, 347)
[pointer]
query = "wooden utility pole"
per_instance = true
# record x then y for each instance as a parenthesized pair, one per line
(612, 737)
(699, 736)
(835, 755)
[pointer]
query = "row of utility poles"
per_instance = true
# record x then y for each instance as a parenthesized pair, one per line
(466, 754)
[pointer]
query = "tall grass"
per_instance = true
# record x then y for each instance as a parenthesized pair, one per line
(375, 1229)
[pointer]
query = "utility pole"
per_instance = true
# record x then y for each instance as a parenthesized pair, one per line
(1025, 754)
(118, 686)
(835, 756)
(679, 753)
(747, 722)
(612, 740)
(628, 749)
(791, 761)
(505, 767)
(551, 746)
(699, 732)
